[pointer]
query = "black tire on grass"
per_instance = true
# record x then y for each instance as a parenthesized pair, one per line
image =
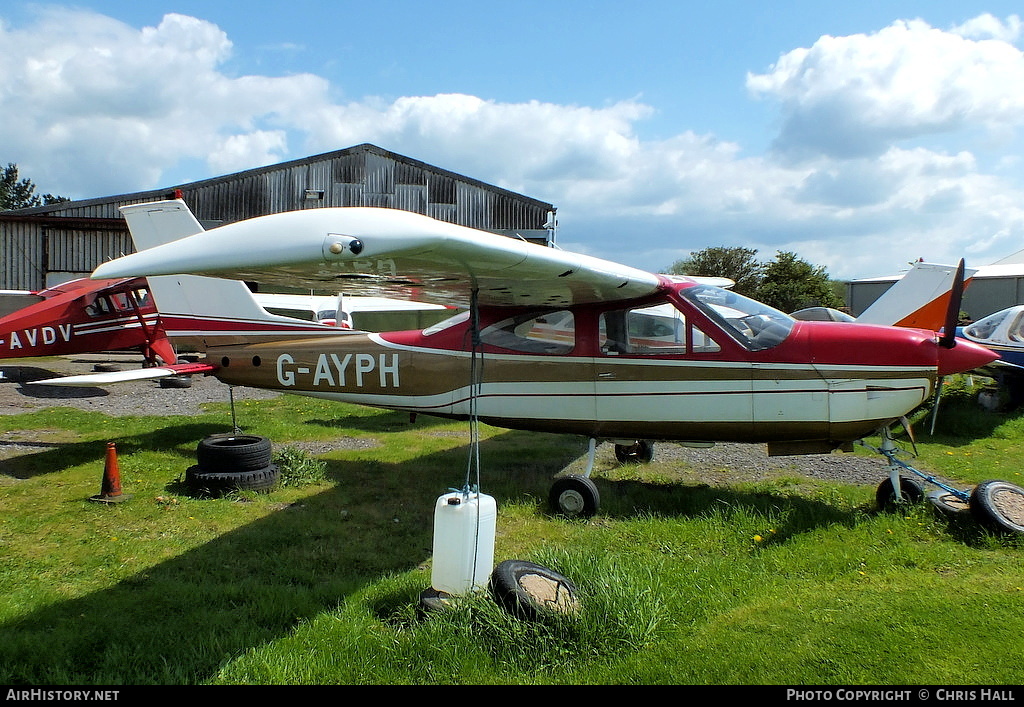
(574, 496)
(998, 506)
(529, 590)
(233, 453)
(211, 483)
(910, 491)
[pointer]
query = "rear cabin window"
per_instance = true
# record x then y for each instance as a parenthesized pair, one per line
(547, 333)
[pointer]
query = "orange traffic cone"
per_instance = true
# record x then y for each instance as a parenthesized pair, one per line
(110, 491)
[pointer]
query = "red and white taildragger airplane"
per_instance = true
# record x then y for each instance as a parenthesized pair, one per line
(551, 341)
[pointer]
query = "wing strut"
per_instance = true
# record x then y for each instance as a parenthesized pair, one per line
(475, 381)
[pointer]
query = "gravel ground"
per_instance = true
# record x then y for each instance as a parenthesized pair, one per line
(17, 395)
(723, 463)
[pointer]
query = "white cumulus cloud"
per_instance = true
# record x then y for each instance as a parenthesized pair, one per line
(857, 95)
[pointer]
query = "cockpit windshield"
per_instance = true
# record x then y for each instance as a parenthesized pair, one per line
(754, 325)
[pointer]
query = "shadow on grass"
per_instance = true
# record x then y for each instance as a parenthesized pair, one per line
(179, 621)
(57, 456)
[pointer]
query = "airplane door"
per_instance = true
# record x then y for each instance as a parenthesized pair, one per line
(660, 376)
(788, 395)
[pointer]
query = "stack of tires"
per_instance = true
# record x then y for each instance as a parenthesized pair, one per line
(232, 462)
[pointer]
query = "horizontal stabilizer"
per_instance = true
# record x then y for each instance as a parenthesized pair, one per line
(92, 380)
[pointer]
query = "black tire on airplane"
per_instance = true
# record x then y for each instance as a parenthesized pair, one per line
(910, 492)
(574, 496)
(640, 452)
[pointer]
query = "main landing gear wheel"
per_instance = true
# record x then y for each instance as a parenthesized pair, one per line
(574, 496)
(910, 493)
(640, 452)
(999, 506)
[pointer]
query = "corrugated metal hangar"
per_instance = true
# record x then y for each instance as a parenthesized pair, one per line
(47, 245)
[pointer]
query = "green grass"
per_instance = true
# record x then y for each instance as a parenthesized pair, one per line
(788, 581)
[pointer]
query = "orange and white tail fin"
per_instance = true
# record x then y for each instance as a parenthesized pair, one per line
(197, 311)
(920, 299)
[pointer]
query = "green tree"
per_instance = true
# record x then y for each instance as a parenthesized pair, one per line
(738, 264)
(20, 193)
(791, 283)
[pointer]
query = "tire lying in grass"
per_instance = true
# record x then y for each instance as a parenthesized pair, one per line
(948, 504)
(998, 506)
(218, 483)
(529, 590)
(232, 462)
(233, 452)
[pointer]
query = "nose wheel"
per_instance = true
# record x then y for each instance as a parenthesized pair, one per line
(996, 505)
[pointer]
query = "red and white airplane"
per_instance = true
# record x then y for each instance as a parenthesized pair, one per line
(93, 316)
(551, 341)
(86, 315)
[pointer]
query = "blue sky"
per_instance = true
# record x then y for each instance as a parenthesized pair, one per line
(858, 135)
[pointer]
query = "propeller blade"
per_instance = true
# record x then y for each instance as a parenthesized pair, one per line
(956, 294)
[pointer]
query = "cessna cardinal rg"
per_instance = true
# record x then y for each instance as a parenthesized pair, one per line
(551, 341)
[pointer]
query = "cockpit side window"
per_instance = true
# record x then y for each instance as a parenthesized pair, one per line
(659, 329)
(984, 328)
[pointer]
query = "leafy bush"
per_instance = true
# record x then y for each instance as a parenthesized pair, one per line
(298, 468)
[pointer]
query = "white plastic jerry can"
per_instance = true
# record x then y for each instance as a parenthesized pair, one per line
(463, 542)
